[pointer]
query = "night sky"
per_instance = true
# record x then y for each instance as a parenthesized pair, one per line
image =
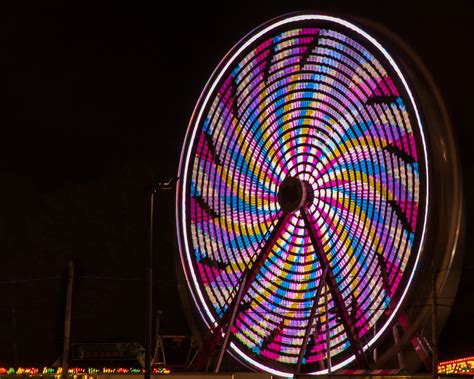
(95, 103)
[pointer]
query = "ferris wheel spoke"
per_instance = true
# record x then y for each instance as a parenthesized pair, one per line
(336, 295)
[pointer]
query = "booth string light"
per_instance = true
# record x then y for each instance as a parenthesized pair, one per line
(51, 371)
(457, 366)
(303, 195)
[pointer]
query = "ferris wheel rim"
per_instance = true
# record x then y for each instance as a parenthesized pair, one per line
(194, 126)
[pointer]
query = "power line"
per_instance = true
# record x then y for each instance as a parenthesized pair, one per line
(118, 278)
(16, 281)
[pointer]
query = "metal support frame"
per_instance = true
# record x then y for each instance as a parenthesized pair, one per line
(400, 357)
(346, 319)
(322, 283)
(231, 322)
(328, 336)
(418, 344)
(328, 279)
(214, 338)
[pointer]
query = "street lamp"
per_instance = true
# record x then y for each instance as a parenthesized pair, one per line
(162, 186)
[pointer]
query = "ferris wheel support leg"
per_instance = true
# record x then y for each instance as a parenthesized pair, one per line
(420, 346)
(209, 345)
(374, 352)
(417, 342)
(322, 283)
(396, 338)
(328, 336)
(229, 326)
(346, 318)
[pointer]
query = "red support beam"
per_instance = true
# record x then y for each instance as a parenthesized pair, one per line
(322, 283)
(213, 339)
(349, 326)
(418, 344)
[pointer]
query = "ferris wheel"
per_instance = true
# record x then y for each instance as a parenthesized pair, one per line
(318, 187)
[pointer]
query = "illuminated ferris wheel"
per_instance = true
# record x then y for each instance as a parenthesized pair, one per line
(318, 184)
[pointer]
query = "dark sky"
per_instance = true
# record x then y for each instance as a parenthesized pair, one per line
(95, 102)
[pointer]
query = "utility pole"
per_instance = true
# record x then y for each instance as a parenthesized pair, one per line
(67, 320)
(162, 186)
(149, 289)
(15, 336)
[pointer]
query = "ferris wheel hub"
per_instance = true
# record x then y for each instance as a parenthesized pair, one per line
(293, 194)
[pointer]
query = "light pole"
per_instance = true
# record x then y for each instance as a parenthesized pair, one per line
(162, 186)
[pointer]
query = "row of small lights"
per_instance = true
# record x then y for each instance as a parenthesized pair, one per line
(462, 365)
(443, 367)
(78, 370)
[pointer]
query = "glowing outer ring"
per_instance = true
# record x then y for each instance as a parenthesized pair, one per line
(185, 164)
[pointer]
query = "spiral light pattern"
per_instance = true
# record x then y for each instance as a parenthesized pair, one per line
(314, 98)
